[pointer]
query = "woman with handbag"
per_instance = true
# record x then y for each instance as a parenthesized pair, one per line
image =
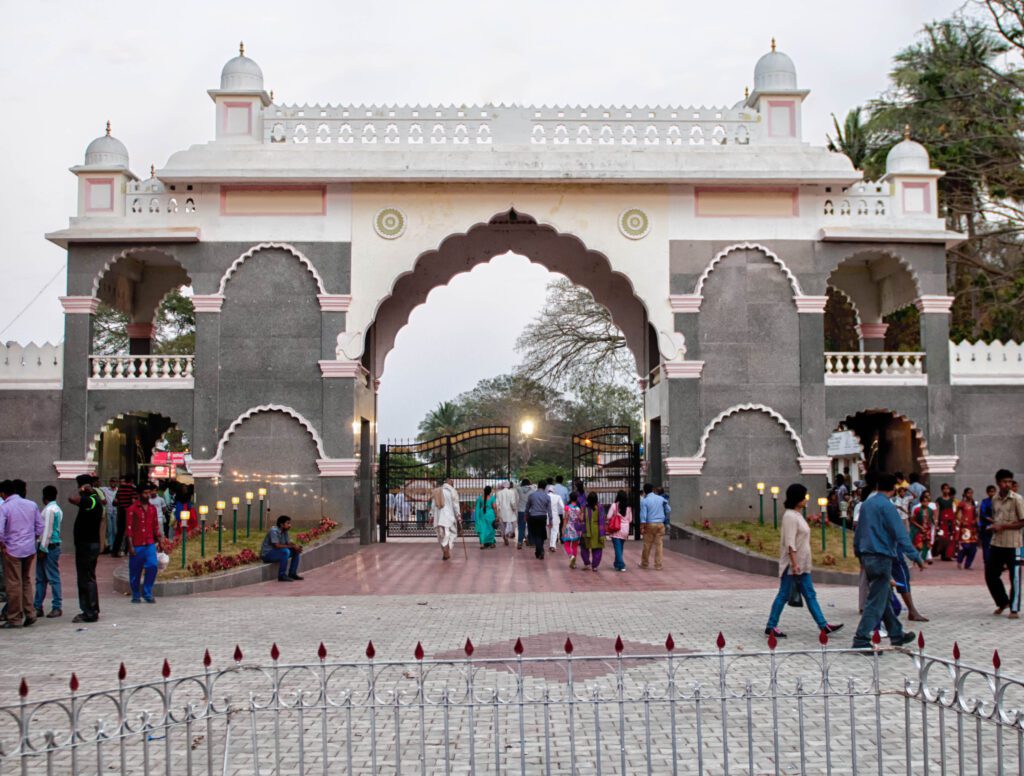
(594, 532)
(620, 517)
(795, 564)
(484, 518)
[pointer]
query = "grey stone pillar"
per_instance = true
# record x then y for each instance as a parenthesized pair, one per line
(140, 339)
(813, 431)
(935, 344)
(872, 337)
(79, 314)
(684, 496)
(206, 371)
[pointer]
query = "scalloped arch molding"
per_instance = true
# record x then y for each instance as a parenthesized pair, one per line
(109, 263)
(219, 456)
(748, 246)
(750, 408)
(303, 259)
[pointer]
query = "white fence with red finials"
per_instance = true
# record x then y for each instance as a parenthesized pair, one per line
(674, 710)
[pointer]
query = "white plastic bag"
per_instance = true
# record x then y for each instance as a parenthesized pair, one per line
(162, 560)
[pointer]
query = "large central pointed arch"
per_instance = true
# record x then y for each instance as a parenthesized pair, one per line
(518, 233)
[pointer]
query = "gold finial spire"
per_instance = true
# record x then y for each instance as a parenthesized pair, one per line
(271, 95)
(108, 127)
(773, 44)
(746, 92)
(241, 49)
(906, 132)
(152, 171)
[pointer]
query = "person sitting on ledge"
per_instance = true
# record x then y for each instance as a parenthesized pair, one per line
(277, 549)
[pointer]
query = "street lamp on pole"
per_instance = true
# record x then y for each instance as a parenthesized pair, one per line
(184, 516)
(822, 503)
(262, 494)
(235, 501)
(775, 506)
(760, 501)
(203, 512)
(221, 505)
(527, 428)
(248, 511)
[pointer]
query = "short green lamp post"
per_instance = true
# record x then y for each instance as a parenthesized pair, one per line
(775, 506)
(262, 494)
(235, 501)
(248, 511)
(822, 503)
(760, 502)
(184, 517)
(203, 512)
(221, 506)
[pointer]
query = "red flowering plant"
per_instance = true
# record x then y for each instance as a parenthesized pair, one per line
(325, 526)
(223, 562)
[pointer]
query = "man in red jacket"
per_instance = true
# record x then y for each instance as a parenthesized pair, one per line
(143, 531)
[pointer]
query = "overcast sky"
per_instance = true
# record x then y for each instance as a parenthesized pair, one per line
(67, 67)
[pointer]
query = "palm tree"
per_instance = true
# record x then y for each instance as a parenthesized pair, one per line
(445, 419)
(851, 138)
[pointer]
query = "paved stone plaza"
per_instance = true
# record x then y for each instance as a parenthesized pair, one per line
(519, 597)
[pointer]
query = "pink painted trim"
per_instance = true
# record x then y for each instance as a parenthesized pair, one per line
(236, 104)
(873, 330)
(926, 187)
(225, 189)
(794, 194)
(140, 330)
(792, 117)
(89, 183)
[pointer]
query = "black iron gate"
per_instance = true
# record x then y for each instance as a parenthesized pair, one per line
(409, 471)
(607, 460)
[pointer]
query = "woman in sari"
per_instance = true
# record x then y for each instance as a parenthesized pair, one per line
(592, 536)
(945, 534)
(921, 520)
(484, 518)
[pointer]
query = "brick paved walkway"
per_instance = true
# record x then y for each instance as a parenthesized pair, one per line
(400, 594)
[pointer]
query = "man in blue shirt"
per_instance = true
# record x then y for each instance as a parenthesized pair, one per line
(880, 538)
(538, 508)
(654, 514)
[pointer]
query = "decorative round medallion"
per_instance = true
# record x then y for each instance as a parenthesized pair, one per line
(389, 223)
(634, 224)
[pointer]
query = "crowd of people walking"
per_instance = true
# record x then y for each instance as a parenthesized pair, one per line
(546, 515)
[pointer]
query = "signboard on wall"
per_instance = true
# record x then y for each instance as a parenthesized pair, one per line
(844, 444)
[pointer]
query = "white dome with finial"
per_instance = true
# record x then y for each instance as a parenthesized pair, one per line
(107, 151)
(241, 74)
(907, 156)
(775, 72)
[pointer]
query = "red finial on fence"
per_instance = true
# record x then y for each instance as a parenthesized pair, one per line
(73, 684)
(920, 640)
(238, 654)
(956, 651)
(876, 637)
(23, 689)
(468, 648)
(518, 648)
(996, 662)
(166, 670)
(720, 641)
(822, 637)
(418, 652)
(568, 646)
(670, 643)
(619, 646)
(275, 653)
(122, 673)
(370, 651)
(322, 652)
(772, 641)
(207, 659)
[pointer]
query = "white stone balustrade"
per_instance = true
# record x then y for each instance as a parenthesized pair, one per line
(27, 367)
(483, 125)
(855, 368)
(140, 372)
(141, 203)
(867, 200)
(983, 363)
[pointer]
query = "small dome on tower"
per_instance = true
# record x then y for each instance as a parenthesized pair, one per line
(241, 74)
(107, 150)
(907, 156)
(774, 72)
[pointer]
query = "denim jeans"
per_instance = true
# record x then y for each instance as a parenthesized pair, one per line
(521, 518)
(48, 572)
(618, 544)
(142, 567)
(877, 607)
(281, 556)
(803, 582)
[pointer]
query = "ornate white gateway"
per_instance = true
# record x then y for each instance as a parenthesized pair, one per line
(310, 232)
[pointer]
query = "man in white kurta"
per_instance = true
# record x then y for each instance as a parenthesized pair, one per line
(445, 512)
(555, 516)
(507, 505)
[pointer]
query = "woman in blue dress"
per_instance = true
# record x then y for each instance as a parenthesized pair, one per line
(484, 518)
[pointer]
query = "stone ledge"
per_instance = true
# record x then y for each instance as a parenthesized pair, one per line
(694, 544)
(319, 555)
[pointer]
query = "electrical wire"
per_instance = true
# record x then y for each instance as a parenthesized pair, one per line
(32, 301)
